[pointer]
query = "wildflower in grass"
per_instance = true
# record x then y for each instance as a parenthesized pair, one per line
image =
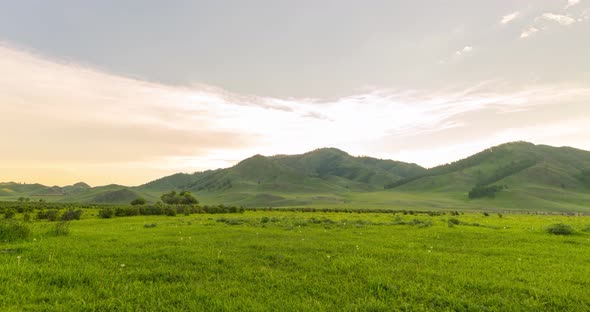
(122, 265)
(18, 260)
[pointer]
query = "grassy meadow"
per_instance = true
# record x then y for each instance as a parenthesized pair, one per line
(299, 261)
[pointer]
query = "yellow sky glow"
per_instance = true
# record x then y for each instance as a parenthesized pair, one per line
(63, 123)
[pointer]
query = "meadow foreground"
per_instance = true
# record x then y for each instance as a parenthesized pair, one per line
(294, 261)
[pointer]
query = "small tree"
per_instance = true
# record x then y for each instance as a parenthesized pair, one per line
(182, 198)
(170, 198)
(187, 198)
(138, 201)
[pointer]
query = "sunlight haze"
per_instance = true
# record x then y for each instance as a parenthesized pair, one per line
(129, 92)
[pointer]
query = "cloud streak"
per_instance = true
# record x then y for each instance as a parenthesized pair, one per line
(465, 50)
(562, 20)
(509, 17)
(529, 32)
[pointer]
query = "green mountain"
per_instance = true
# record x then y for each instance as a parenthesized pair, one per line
(323, 175)
(511, 176)
(541, 176)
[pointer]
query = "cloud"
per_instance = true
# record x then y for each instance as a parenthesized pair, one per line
(546, 20)
(102, 128)
(465, 50)
(563, 20)
(571, 3)
(315, 115)
(529, 32)
(509, 17)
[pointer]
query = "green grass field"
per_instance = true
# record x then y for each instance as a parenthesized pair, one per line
(294, 261)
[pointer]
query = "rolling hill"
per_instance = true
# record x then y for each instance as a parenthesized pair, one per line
(528, 177)
(540, 176)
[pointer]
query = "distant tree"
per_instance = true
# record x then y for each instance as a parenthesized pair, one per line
(170, 198)
(187, 198)
(138, 201)
(182, 198)
(480, 191)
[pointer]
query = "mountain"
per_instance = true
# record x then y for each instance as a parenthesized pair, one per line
(21, 189)
(553, 178)
(323, 175)
(511, 176)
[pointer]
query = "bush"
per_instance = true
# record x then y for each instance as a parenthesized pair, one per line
(62, 228)
(152, 225)
(454, 221)
(138, 202)
(9, 213)
(72, 215)
(106, 213)
(480, 191)
(12, 231)
(420, 223)
(52, 215)
(170, 211)
(560, 229)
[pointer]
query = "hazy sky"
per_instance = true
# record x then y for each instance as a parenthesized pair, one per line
(129, 91)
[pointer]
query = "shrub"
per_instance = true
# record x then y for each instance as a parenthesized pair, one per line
(170, 211)
(9, 213)
(420, 223)
(72, 215)
(485, 214)
(560, 229)
(12, 231)
(62, 228)
(264, 220)
(52, 215)
(138, 202)
(480, 191)
(147, 226)
(106, 213)
(454, 221)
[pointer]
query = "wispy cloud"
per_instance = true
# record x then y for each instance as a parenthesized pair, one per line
(105, 128)
(465, 50)
(509, 17)
(563, 20)
(546, 20)
(529, 32)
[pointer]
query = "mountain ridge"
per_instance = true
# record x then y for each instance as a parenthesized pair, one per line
(524, 174)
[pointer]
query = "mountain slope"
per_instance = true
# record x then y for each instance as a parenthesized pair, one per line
(323, 175)
(533, 175)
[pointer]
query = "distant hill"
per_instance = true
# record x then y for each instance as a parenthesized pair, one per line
(522, 176)
(535, 175)
(321, 175)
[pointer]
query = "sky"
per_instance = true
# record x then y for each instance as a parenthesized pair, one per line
(129, 91)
